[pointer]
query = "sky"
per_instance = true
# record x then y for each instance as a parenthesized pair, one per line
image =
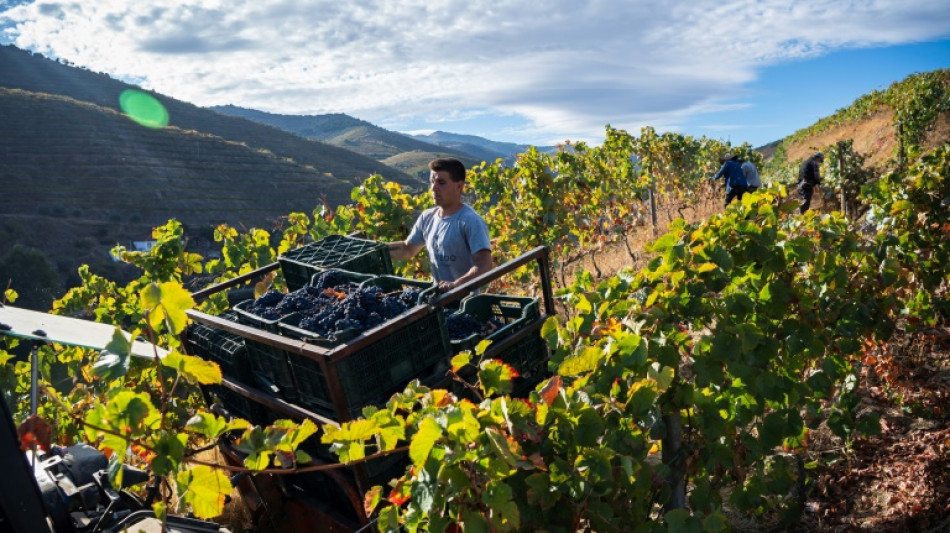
(527, 72)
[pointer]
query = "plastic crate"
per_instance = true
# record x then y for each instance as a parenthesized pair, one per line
(238, 405)
(387, 283)
(246, 317)
(224, 348)
(529, 356)
(271, 369)
(371, 375)
(514, 312)
(335, 251)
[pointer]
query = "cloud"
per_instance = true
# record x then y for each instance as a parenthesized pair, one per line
(566, 68)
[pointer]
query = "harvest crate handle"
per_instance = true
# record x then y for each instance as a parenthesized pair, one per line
(250, 276)
(539, 254)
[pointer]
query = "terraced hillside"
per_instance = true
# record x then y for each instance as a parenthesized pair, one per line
(69, 157)
(21, 70)
(79, 178)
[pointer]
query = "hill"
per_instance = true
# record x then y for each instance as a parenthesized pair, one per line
(402, 152)
(80, 177)
(911, 114)
(480, 147)
(20, 69)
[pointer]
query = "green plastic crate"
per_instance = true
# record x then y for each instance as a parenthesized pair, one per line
(514, 312)
(246, 317)
(335, 251)
(371, 375)
(271, 370)
(224, 348)
(529, 356)
(428, 289)
(237, 405)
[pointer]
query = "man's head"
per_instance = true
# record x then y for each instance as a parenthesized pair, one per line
(446, 181)
(820, 157)
(453, 166)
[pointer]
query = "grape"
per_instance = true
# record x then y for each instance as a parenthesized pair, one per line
(347, 307)
(462, 325)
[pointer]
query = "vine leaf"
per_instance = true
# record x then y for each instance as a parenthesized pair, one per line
(169, 301)
(193, 369)
(550, 390)
(429, 432)
(496, 377)
(113, 361)
(205, 489)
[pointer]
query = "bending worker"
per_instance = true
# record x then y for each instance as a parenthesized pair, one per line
(455, 236)
(809, 177)
(731, 170)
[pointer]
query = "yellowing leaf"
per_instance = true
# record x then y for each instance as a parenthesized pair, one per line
(581, 363)
(429, 432)
(167, 301)
(205, 489)
(193, 368)
(460, 360)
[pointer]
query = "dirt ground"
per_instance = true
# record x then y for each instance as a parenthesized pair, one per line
(875, 137)
(898, 481)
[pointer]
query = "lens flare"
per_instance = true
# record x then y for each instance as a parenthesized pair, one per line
(143, 108)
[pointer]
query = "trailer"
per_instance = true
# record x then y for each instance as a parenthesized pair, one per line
(330, 384)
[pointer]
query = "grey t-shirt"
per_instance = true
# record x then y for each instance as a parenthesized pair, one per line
(751, 175)
(452, 241)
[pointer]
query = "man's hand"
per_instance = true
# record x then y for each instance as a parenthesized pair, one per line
(446, 286)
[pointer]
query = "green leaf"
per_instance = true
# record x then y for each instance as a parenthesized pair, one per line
(169, 451)
(426, 436)
(588, 427)
(475, 522)
(869, 424)
(549, 330)
(643, 394)
(208, 425)
(205, 489)
(506, 448)
(662, 374)
(193, 369)
(461, 360)
(680, 521)
(113, 361)
(167, 301)
(715, 522)
(496, 377)
(462, 425)
(581, 363)
(663, 243)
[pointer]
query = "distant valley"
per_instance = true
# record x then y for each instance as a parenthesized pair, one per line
(408, 153)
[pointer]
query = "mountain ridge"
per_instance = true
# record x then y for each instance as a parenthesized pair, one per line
(360, 136)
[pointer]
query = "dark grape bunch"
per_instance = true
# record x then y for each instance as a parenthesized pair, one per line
(359, 311)
(330, 289)
(463, 325)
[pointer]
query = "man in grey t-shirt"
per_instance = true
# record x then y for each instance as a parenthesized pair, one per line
(455, 236)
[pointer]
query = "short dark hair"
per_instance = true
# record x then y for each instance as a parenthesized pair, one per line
(453, 166)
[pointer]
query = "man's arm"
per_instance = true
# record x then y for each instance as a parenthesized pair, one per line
(722, 170)
(402, 250)
(482, 260)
